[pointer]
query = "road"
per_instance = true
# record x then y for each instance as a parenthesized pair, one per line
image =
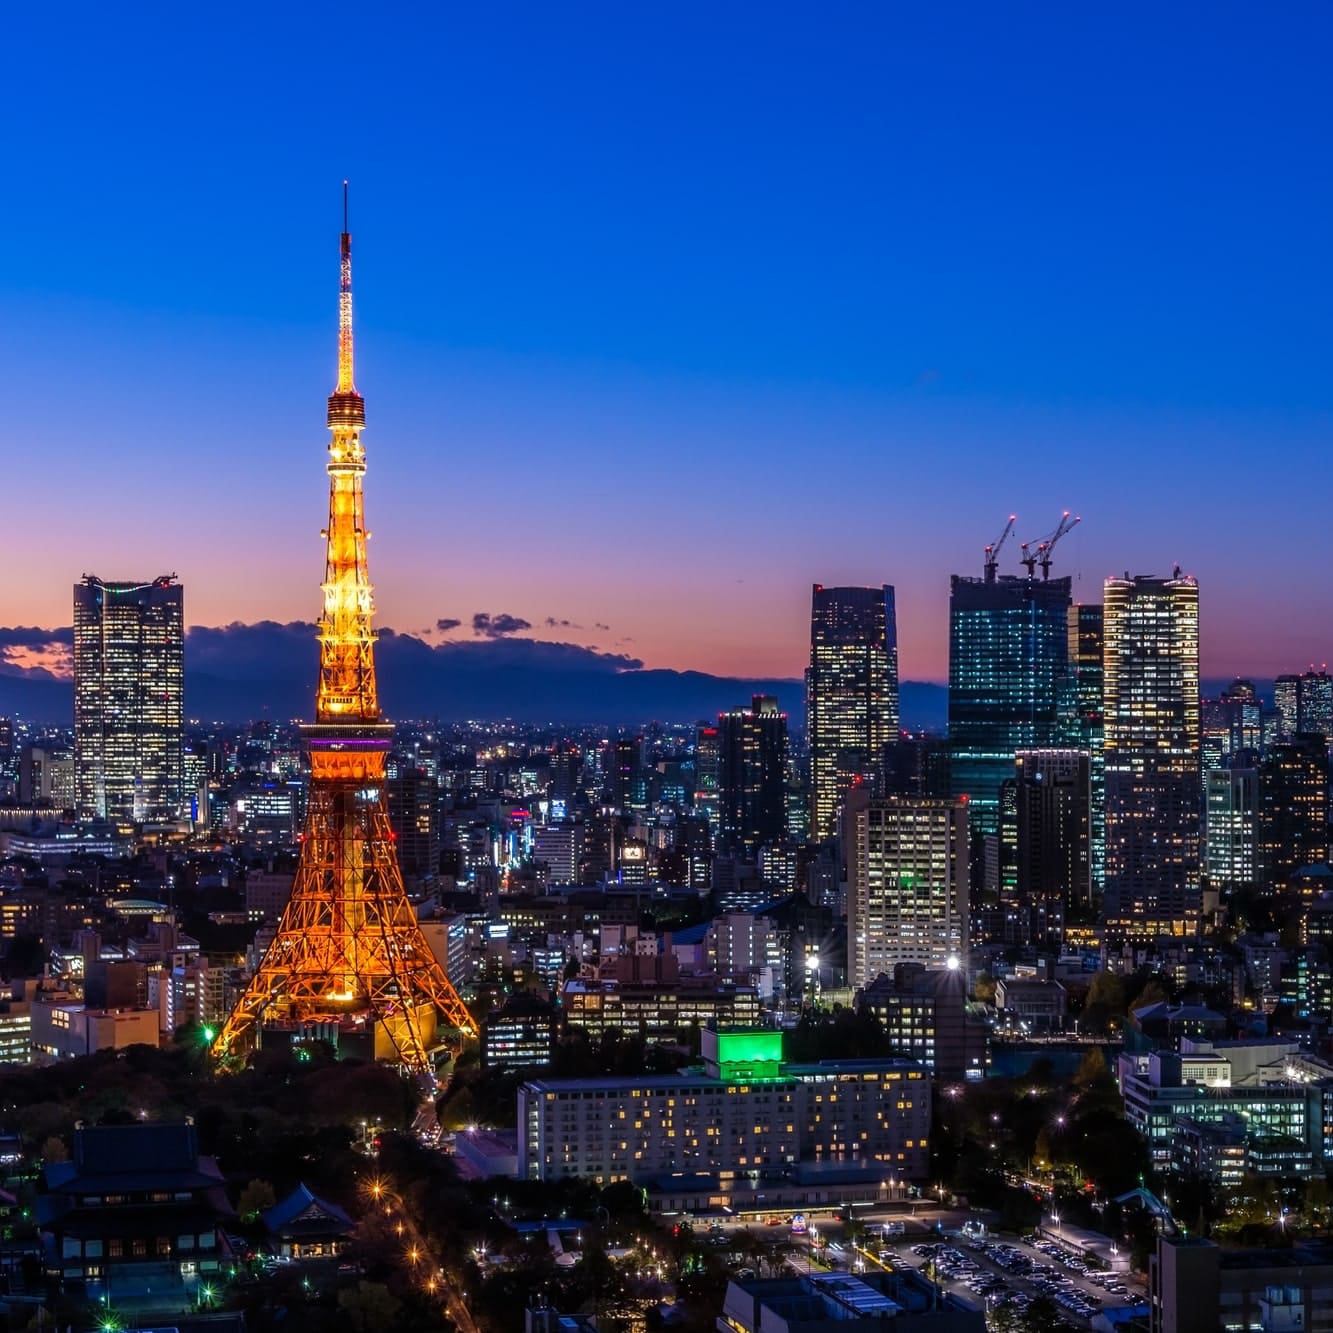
(422, 1260)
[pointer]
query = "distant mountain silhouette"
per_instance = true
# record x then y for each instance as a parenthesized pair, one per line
(238, 672)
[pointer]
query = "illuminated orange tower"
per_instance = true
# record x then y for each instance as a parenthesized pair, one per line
(349, 952)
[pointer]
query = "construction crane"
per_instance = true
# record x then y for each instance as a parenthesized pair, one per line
(993, 550)
(1031, 558)
(1065, 526)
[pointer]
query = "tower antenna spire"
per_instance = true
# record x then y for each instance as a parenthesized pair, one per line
(345, 394)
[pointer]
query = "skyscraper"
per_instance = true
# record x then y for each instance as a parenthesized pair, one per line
(1008, 672)
(707, 761)
(412, 817)
(1054, 825)
(1232, 726)
(1152, 745)
(752, 777)
(1231, 830)
(1315, 717)
(129, 670)
(907, 891)
(1293, 808)
(851, 694)
(624, 774)
(1305, 703)
(1287, 702)
(1086, 722)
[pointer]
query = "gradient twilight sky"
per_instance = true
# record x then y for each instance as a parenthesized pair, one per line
(665, 312)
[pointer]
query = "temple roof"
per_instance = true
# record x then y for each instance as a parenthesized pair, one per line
(303, 1212)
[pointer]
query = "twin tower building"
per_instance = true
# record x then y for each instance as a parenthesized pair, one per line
(1071, 777)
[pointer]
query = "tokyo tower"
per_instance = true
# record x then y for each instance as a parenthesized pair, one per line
(349, 954)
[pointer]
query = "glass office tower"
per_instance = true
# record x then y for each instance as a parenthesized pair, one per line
(1153, 735)
(129, 672)
(1085, 721)
(752, 777)
(1008, 673)
(851, 695)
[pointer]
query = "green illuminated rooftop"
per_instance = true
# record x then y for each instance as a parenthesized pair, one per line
(743, 1053)
(752, 1046)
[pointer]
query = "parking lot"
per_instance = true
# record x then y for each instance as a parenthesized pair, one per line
(983, 1269)
(994, 1272)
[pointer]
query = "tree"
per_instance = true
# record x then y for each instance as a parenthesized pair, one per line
(623, 1200)
(1043, 1154)
(26, 956)
(1108, 991)
(1092, 1068)
(457, 1109)
(1253, 1202)
(1042, 1316)
(1318, 1201)
(985, 989)
(1105, 1004)
(1153, 992)
(255, 1198)
(54, 1150)
(371, 1306)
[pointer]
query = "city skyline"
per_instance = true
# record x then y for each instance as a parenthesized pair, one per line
(371, 910)
(863, 275)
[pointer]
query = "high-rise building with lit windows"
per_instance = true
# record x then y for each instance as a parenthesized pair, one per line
(707, 759)
(907, 883)
(1085, 723)
(1286, 701)
(1008, 674)
(1154, 784)
(1231, 828)
(1053, 820)
(626, 785)
(129, 671)
(1316, 704)
(1293, 809)
(412, 817)
(1232, 727)
(1305, 704)
(851, 695)
(752, 777)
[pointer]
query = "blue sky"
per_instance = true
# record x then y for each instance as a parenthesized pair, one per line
(664, 314)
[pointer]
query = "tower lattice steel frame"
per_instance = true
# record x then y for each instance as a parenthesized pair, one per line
(349, 950)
